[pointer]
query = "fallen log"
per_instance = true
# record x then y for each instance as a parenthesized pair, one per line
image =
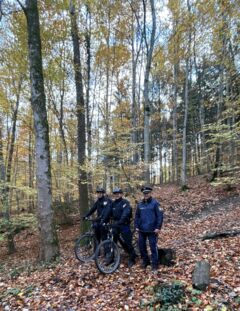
(218, 235)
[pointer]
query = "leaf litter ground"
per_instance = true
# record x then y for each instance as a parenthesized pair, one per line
(69, 285)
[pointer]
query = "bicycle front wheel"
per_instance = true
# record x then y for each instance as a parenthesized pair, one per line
(85, 247)
(107, 257)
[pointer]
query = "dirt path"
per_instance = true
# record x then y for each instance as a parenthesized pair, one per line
(221, 206)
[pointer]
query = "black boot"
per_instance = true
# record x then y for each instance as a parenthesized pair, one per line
(144, 264)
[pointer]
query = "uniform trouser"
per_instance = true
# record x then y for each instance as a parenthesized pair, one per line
(100, 232)
(152, 238)
(125, 235)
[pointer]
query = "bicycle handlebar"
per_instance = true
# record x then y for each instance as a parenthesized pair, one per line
(90, 219)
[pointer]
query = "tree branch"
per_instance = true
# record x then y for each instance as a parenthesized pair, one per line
(223, 234)
(22, 6)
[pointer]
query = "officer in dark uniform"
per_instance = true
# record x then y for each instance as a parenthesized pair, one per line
(121, 213)
(102, 206)
(148, 222)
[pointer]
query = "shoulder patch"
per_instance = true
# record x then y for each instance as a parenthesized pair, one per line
(124, 204)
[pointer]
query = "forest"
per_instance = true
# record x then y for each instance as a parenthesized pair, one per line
(118, 94)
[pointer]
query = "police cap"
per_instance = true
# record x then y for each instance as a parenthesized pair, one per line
(146, 189)
(100, 190)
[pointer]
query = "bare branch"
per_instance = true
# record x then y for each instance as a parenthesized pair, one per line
(22, 6)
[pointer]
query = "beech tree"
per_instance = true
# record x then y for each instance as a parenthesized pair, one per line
(80, 108)
(49, 248)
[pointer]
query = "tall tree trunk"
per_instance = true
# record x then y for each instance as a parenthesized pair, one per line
(88, 107)
(220, 103)
(2, 165)
(186, 99)
(174, 124)
(134, 106)
(49, 248)
(146, 89)
(10, 236)
(82, 181)
(30, 170)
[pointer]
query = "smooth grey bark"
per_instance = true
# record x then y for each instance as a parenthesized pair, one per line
(49, 248)
(147, 106)
(80, 107)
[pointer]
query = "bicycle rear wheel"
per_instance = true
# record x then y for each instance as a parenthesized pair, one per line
(107, 257)
(85, 247)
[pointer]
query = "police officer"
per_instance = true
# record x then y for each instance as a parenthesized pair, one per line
(102, 206)
(148, 222)
(121, 213)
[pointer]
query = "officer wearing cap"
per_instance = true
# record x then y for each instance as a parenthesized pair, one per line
(148, 222)
(121, 214)
(101, 205)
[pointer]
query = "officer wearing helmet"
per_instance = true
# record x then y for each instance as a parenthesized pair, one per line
(121, 214)
(148, 222)
(101, 206)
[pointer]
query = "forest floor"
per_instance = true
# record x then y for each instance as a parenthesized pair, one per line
(70, 285)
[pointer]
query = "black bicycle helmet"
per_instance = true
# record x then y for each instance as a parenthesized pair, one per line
(117, 190)
(100, 190)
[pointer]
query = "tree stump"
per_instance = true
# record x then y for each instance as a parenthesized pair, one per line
(166, 256)
(201, 275)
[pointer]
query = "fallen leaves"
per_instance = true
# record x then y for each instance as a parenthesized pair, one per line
(68, 285)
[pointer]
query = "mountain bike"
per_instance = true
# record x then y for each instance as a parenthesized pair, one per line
(86, 244)
(107, 255)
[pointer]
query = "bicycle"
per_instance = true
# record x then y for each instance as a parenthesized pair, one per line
(86, 245)
(107, 255)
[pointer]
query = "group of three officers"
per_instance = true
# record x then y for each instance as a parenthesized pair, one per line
(148, 221)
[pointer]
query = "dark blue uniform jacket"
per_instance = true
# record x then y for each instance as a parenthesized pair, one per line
(121, 212)
(148, 215)
(101, 206)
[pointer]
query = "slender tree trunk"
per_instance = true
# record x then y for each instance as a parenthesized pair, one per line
(146, 89)
(7, 201)
(88, 107)
(186, 99)
(49, 248)
(184, 140)
(2, 165)
(82, 182)
(161, 164)
(135, 55)
(30, 170)
(174, 124)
